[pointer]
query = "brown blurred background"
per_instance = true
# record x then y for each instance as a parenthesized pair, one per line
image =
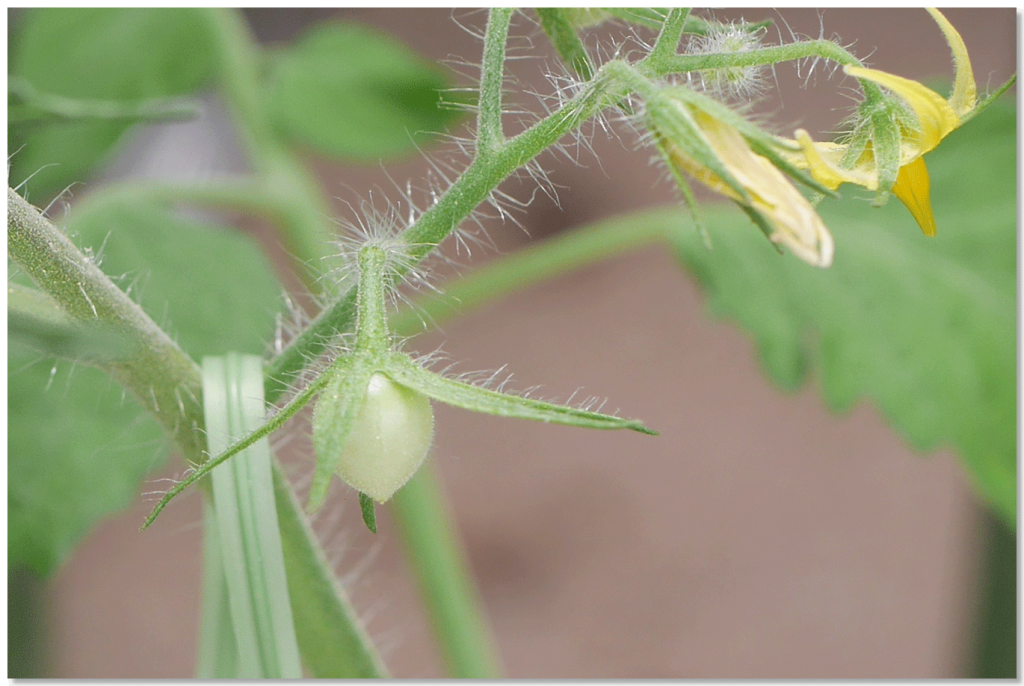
(759, 536)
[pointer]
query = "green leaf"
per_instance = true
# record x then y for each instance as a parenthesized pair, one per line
(369, 513)
(35, 320)
(331, 637)
(924, 328)
(246, 522)
(118, 54)
(353, 93)
(77, 451)
(476, 399)
(209, 286)
(335, 415)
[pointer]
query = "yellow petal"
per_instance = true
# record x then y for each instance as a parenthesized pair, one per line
(827, 172)
(913, 188)
(965, 92)
(684, 136)
(935, 116)
(793, 220)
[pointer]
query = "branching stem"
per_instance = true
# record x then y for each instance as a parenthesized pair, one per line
(671, 32)
(487, 170)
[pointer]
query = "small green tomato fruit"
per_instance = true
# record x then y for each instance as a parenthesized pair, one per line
(389, 439)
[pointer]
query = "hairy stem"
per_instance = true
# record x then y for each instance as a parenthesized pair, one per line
(757, 57)
(494, 165)
(169, 385)
(155, 370)
(487, 170)
(489, 132)
(372, 326)
(671, 32)
(820, 48)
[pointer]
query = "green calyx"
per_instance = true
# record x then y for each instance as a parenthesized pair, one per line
(373, 423)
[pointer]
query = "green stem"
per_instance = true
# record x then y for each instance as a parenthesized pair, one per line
(988, 100)
(372, 324)
(240, 195)
(304, 214)
(155, 370)
(562, 34)
(671, 32)
(483, 175)
(239, 59)
(763, 56)
(24, 96)
(643, 16)
(489, 133)
(653, 18)
(445, 581)
(169, 385)
(755, 58)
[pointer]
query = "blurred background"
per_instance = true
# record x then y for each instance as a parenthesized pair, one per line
(759, 537)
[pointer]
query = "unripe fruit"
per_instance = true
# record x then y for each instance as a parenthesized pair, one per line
(388, 441)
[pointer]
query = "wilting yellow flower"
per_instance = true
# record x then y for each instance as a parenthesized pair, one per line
(936, 118)
(730, 167)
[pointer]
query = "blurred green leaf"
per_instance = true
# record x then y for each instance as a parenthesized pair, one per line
(332, 640)
(35, 320)
(209, 286)
(353, 93)
(924, 328)
(127, 55)
(78, 449)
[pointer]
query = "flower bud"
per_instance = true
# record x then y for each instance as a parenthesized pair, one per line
(698, 139)
(739, 82)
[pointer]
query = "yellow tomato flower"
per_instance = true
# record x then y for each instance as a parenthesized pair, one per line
(744, 176)
(936, 118)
